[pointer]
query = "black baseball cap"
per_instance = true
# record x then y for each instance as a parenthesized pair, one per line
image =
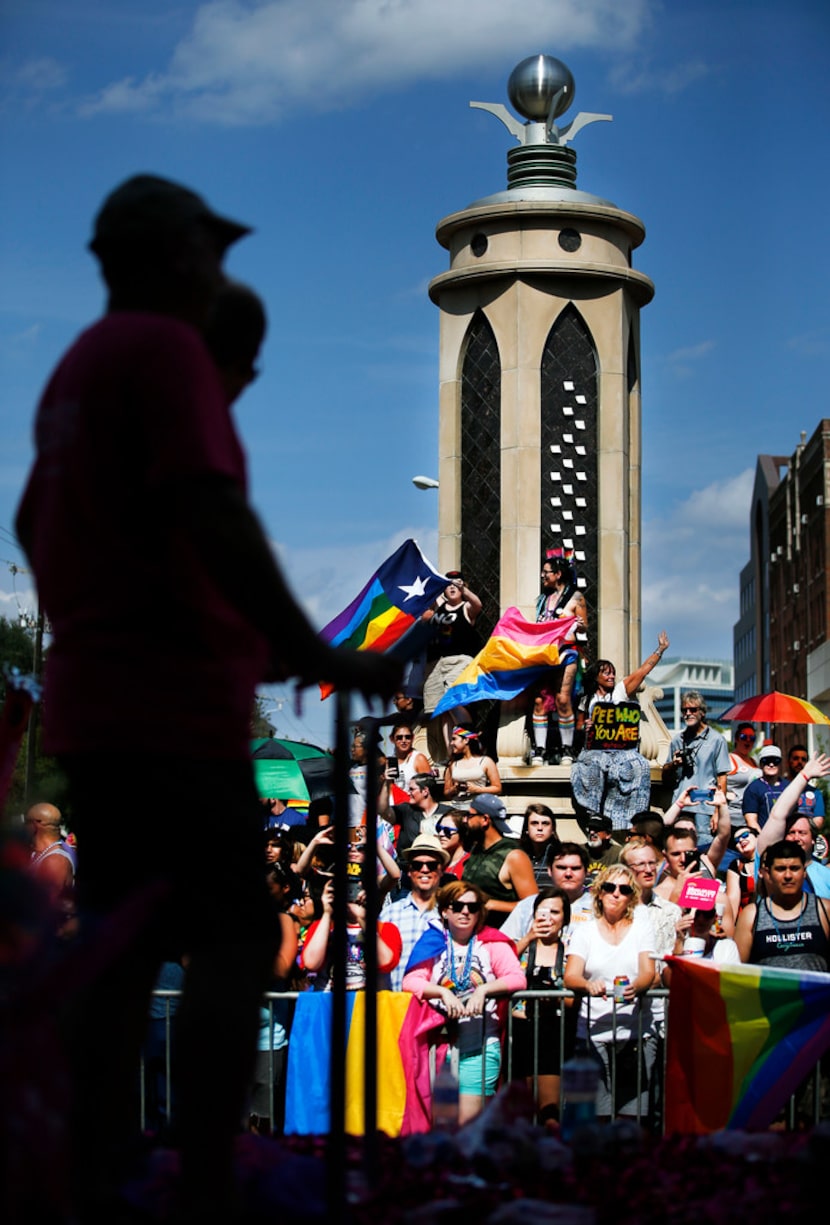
(146, 207)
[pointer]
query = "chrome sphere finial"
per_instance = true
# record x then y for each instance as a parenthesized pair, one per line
(534, 83)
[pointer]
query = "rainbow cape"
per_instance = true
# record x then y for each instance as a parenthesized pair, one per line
(394, 597)
(517, 654)
(740, 1041)
(404, 1093)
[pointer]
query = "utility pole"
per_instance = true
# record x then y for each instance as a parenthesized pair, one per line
(31, 738)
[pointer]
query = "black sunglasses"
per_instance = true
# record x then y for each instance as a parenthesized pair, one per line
(460, 907)
(615, 886)
(427, 865)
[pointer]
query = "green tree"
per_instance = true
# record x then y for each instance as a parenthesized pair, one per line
(17, 650)
(17, 646)
(261, 726)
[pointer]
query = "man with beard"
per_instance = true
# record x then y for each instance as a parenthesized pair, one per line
(602, 850)
(811, 803)
(698, 758)
(496, 864)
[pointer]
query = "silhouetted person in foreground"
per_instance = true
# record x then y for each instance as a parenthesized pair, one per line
(167, 609)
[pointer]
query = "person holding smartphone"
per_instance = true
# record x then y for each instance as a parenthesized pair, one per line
(316, 956)
(685, 859)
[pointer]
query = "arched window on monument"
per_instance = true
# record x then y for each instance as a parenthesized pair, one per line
(569, 510)
(481, 469)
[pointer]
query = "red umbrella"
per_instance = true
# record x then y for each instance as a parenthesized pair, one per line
(773, 707)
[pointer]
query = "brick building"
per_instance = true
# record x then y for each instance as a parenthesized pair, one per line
(781, 639)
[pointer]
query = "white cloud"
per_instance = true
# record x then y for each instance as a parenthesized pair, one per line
(628, 78)
(35, 76)
(42, 75)
(17, 599)
(681, 361)
(691, 561)
(326, 579)
(127, 96)
(815, 343)
(23, 341)
(25, 85)
(252, 61)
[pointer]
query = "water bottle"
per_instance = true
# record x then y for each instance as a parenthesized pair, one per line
(445, 1098)
(580, 1081)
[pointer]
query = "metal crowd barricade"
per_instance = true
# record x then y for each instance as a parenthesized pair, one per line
(533, 999)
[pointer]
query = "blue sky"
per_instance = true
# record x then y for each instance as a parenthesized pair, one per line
(340, 129)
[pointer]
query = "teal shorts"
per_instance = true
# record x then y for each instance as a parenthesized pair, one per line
(469, 1069)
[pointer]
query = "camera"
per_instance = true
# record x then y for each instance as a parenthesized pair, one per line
(354, 881)
(686, 764)
(690, 858)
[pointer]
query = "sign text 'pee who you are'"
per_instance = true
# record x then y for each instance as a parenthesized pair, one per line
(615, 726)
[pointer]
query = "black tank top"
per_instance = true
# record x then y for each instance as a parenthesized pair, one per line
(452, 633)
(790, 944)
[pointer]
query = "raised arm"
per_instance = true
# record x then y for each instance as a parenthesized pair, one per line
(634, 681)
(671, 814)
(787, 802)
(324, 837)
(743, 930)
(220, 524)
(723, 830)
(472, 601)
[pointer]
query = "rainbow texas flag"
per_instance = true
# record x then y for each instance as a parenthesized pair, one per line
(516, 654)
(394, 597)
(740, 1041)
(404, 1093)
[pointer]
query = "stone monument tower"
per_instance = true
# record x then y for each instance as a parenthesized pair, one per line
(539, 443)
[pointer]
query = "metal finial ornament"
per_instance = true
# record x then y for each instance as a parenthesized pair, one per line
(540, 85)
(541, 88)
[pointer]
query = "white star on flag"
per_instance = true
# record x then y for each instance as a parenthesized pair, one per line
(418, 588)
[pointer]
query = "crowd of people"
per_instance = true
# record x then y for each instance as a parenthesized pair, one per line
(579, 916)
(472, 914)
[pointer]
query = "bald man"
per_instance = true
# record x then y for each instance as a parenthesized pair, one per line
(52, 862)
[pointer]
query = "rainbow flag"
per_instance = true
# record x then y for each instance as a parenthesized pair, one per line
(404, 1093)
(517, 654)
(740, 1041)
(393, 599)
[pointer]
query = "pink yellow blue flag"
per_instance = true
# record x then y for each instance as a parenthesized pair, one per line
(517, 654)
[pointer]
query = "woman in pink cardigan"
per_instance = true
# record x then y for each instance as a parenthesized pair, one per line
(462, 968)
